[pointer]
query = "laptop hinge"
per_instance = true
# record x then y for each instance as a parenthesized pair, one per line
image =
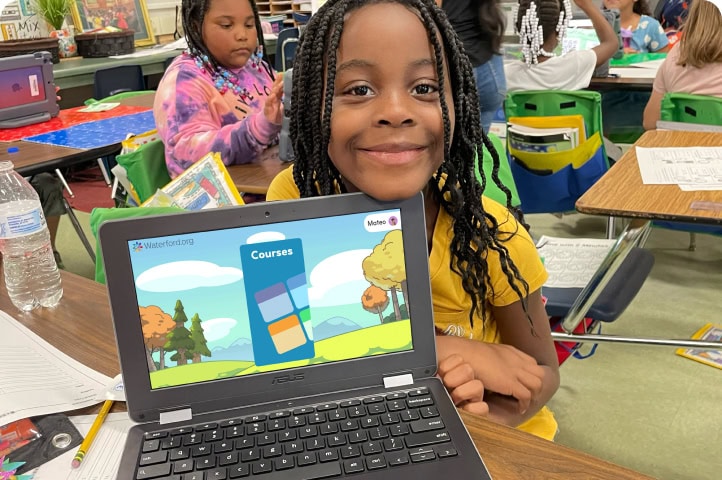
(176, 416)
(398, 380)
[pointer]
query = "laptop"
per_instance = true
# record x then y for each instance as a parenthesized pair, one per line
(282, 340)
(27, 90)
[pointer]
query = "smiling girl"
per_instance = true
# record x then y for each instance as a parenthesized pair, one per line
(390, 108)
(220, 95)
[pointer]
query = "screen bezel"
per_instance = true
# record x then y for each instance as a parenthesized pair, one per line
(145, 404)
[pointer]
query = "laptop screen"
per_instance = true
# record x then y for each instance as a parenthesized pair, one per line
(246, 300)
(21, 86)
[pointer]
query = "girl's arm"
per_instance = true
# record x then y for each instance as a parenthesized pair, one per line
(652, 111)
(608, 42)
(521, 374)
(190, 125)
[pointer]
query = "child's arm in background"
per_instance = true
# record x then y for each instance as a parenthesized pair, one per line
(190, 128)
(521, 374)
(608, 42)
(653, 110)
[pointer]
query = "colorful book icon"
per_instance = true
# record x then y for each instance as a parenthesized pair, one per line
(287, 334)
(273, 302)
(299, 293)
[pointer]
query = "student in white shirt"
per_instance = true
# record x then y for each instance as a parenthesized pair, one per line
(541, 25)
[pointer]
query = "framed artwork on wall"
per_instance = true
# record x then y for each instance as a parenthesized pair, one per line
(127, 14)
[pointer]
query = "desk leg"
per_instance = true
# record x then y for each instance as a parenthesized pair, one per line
(62, 180)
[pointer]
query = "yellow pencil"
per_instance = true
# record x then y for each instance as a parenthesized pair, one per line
(91, 434)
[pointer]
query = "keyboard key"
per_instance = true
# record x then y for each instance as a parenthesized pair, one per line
(310, 472)
(349, 403)
(391, 444)
(423, 457)
(213, 435)
(283, 463)
(336, 415)
(254, 428)
(278, 424)
(428, 412)
(154, 435)
(357, 436)
(399, 430)
(389, 418)
(223, 446)
(395, 459)
(292, 447)
(287, 435)
(356, 411)
(378, 433)
(151, 445)
(180, 453)
(265, 439)
(419, 392)
(261, 467)
(153, 458)
(172, 442)
(238, 471)
(205, 462)
(302, 410)
(427, 438)
(315, 443)
(410, 415)
(201, 450)
(353, 466)
(181, 431)
(417, 402)
(351, 451)
(234, 431)
(372, 447)
(230, 422)
(317, 417)
(296, 421)
(255, 418)
(349, 425)
(336, 440)
(230, 458)
(192, 439)
(396, 405)
(395, 395)
(305, 458)
(195, 476)
(445, 451)
(250, 454)
(374, 399)
(272, 451)
(426, 424)
(182, 466)
(376, 408)
(326, 406)
(327, 455)
(328, 428)
(206, 426)
(216, 474)
(307, 432)
(280, 414)
(375, 461)
(246, 442)
(368, 422)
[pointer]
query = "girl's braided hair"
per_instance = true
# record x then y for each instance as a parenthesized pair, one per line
(455, 185)
(194, 13)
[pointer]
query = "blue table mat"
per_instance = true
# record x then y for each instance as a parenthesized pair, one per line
(98, 134)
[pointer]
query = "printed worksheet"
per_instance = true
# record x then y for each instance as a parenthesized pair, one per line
(571, 262)
(692, 166)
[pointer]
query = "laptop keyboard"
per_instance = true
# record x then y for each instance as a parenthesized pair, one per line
(315, 441)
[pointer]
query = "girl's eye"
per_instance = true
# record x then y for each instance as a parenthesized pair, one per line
(360, 90)
(250, 26)
(425, 89)
(226, 26)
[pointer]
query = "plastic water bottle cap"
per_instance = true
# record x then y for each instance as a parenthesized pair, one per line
(13, 149)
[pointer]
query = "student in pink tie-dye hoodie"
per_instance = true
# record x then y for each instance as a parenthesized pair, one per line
(220, 95)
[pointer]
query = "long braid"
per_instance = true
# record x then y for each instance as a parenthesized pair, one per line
(194, 13)
(455, 186)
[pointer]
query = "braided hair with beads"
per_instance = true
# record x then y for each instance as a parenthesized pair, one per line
(193, 14)
(455, 185)
(536, 21)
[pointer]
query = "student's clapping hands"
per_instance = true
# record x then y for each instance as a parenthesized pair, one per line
(273, 108)
(465, 390)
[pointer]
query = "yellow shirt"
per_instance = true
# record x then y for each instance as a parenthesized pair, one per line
(451, 303)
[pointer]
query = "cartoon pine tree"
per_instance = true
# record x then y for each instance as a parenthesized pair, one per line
(179, 339)
(199, 340)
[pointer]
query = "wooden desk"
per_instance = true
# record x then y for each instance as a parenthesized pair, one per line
(622, 83)
(256, 177)
(621, 193)
(80, 326)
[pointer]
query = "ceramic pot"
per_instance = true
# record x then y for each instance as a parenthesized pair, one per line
(66, 43)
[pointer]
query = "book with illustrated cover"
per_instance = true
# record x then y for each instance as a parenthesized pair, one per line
(542, 140)
(709, 333)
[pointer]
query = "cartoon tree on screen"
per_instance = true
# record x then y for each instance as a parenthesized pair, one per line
(179, 340)
(385, 268)
(156, 326)
(199, 340)
(375, 300)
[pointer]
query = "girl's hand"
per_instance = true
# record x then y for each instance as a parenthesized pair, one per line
(466, 391)
(502, 369)
(273, 107)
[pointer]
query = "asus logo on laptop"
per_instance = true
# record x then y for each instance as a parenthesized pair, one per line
(288, 378)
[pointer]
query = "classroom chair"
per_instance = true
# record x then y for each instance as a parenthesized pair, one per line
(114, 80)
(286, 44)
(572, 313)
(552, 181)
(698, 110)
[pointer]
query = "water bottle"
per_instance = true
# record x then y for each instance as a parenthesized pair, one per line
(31, 274)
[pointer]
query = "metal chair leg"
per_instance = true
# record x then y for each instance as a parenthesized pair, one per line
(79, 229)
(611, 229)
(62, 180)
(692, 241)
(104, 171)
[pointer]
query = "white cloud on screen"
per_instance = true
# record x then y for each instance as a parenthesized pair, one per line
(338, 279)
(265, 237)
(217, 328)
(186, 275)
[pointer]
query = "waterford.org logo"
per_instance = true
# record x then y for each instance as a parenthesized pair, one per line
(137, 247)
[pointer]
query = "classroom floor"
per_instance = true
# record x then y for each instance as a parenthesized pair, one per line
(642, 407)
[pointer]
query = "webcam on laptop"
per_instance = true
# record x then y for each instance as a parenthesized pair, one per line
(27, 90)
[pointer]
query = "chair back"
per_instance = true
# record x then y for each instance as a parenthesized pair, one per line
(114, 80)
(551, 181)
(285, 49)
(146, 169)
(689, 108)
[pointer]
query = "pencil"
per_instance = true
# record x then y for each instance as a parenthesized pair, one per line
(91, 434)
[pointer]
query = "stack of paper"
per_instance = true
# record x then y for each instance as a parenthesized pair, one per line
(692, 168)
(542, 140)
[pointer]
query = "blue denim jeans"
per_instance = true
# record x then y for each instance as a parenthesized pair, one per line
(491, 85)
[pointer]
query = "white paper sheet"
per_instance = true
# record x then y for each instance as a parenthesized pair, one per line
(698, 166)
(650, 64)
(103, 457)
(632, 72)
(571, 262)
(37, 378)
